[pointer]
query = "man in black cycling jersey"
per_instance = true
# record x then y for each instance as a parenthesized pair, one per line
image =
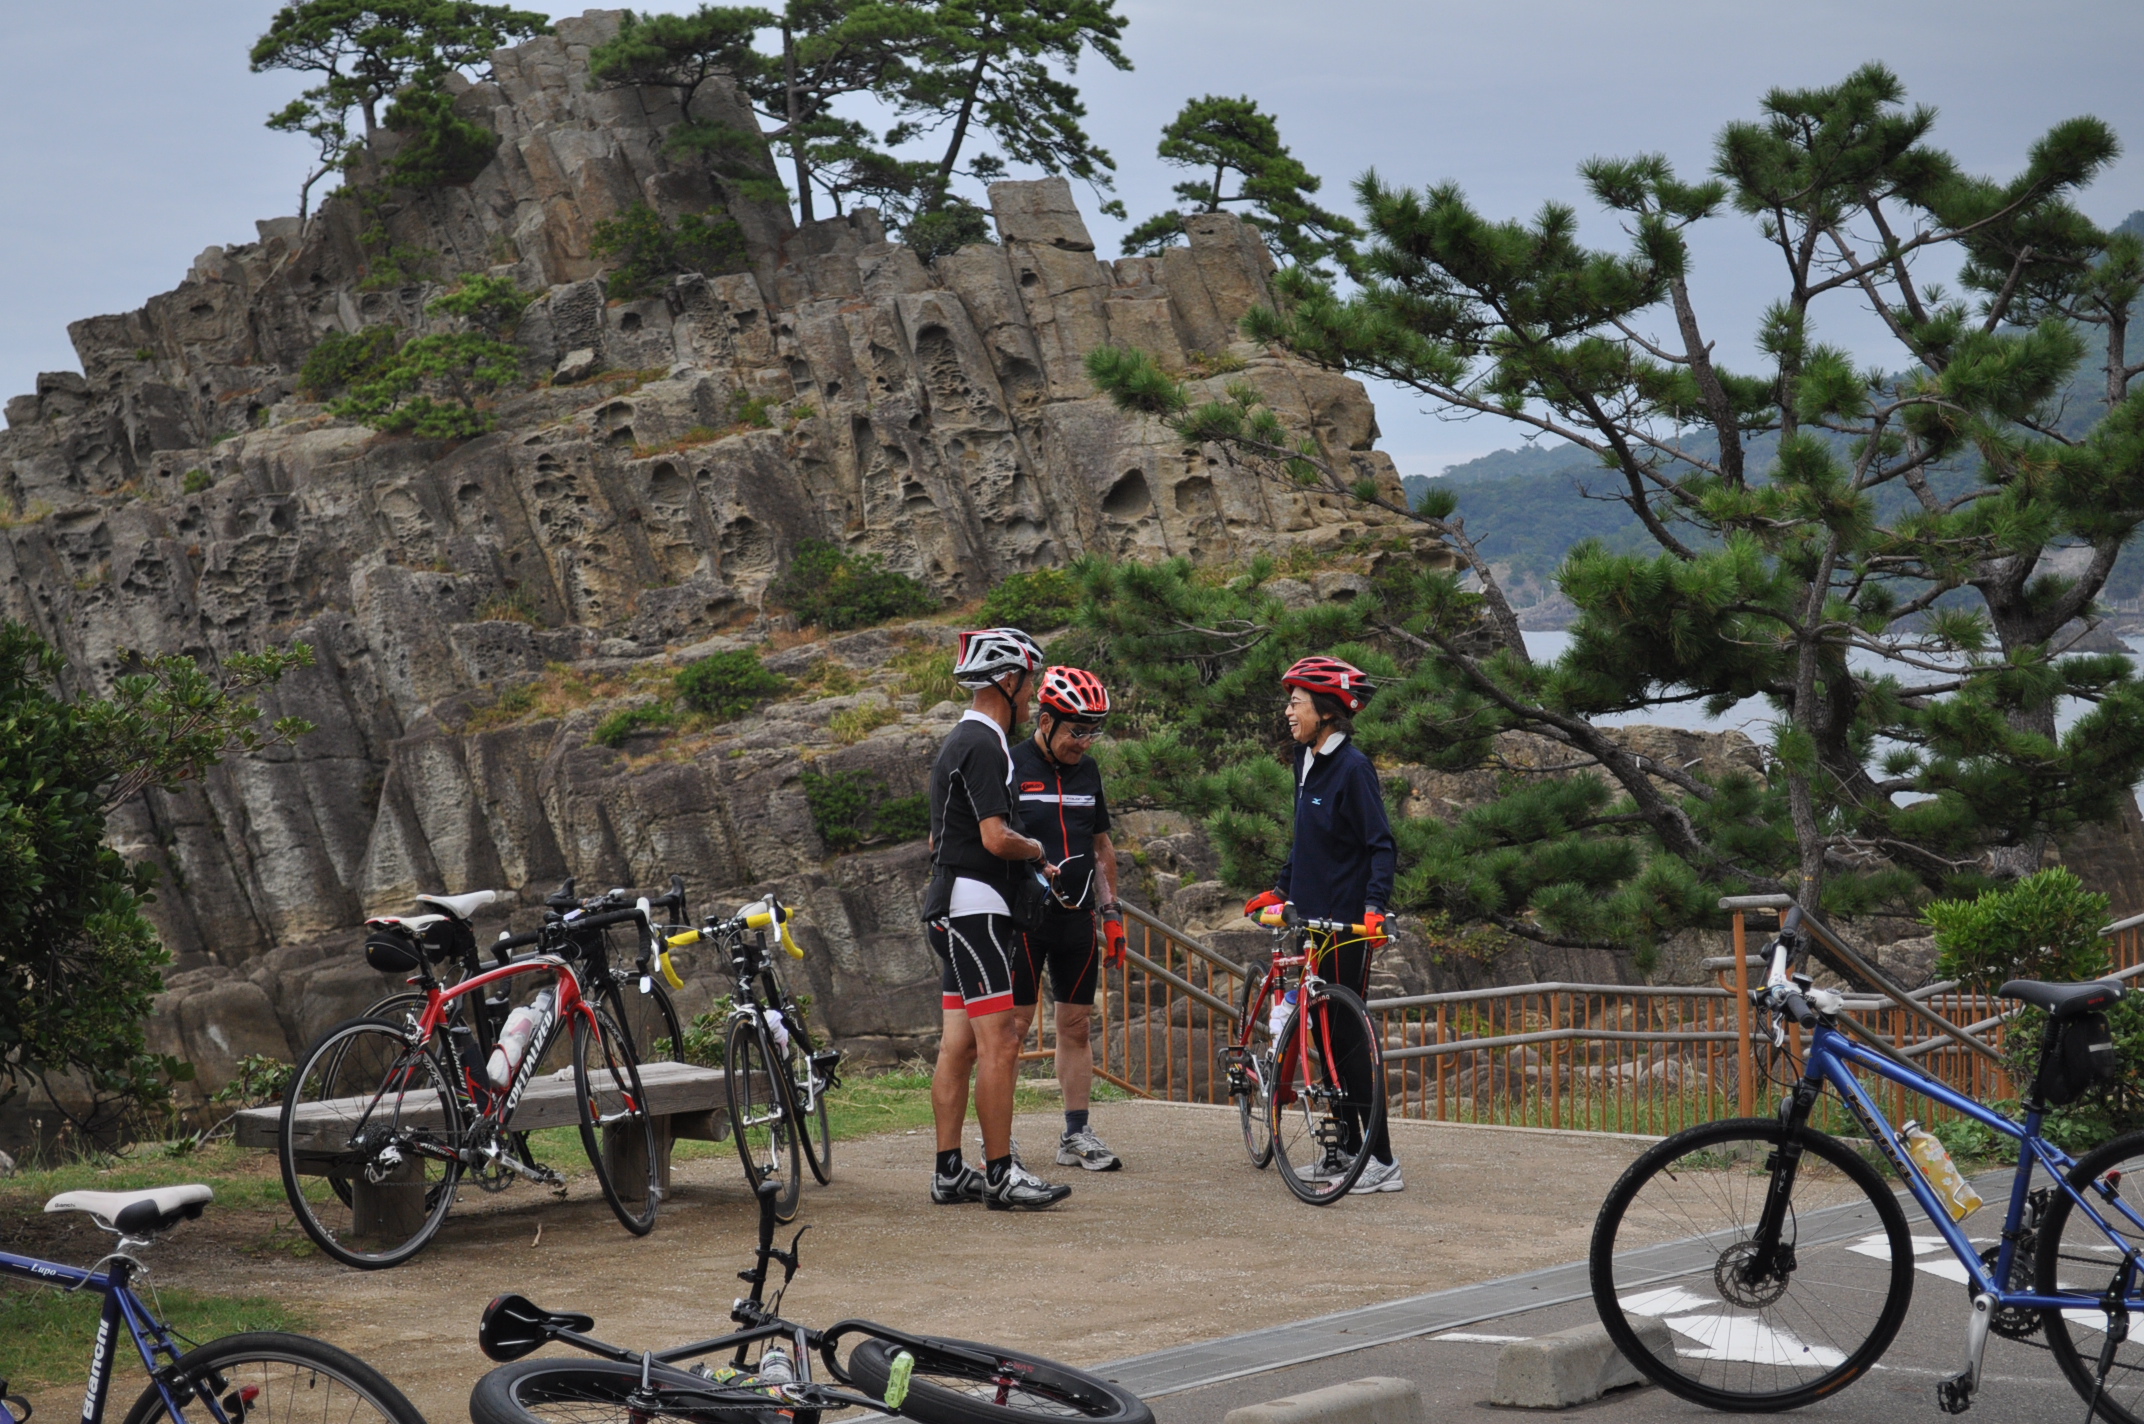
(977, 850)
(1062, 805)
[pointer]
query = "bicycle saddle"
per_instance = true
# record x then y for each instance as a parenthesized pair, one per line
(2064, 1001)
(514, 1325)
(137, 1213)
(461, 907)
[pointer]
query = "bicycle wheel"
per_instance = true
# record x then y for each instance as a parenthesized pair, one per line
(808, 1092)
(372, 1111)
(617, 1130)
(1309, 1121)
(272, 1378)
(402, 1011)
(1025, 1389)
(649, 1018)
(1676, 1240)
(1257, 1043)
(761, 1118)
(2075, 1256)
(606, 1392)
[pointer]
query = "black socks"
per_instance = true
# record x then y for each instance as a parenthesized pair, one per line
(949, 1163)
(1000, 1168)
(1075, 1121)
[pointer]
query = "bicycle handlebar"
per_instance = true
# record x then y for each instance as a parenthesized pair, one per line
(1283, 917)
(774, 913)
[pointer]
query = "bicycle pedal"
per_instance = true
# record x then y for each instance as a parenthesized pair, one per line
(1955, 1395)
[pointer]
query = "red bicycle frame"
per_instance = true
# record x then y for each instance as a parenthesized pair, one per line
(570, 1002)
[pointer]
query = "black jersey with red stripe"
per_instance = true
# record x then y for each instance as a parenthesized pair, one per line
(1064, 808)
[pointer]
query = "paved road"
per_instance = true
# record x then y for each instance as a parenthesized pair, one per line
(1456, 1368)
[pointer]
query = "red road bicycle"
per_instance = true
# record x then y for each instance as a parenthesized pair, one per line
(1289, 1087)
(394, 1115)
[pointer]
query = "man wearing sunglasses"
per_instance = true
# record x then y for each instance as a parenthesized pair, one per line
(1062, 805)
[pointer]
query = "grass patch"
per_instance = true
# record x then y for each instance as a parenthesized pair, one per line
(614, 730)
(556, 692)
(861, 721)
(49, 1336)
(927, 675)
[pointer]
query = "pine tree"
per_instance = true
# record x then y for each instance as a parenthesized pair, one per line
(986, 66)
(398, 52)
(1887, 579)
(1217, 138)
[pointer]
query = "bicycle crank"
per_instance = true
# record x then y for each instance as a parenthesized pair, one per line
(1955, 1394)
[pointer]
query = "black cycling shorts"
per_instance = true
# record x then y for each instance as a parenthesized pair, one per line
(976, 954)
(1066, 944)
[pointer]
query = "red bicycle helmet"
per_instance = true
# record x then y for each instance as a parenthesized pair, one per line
(1333, 678)
(1075, 693)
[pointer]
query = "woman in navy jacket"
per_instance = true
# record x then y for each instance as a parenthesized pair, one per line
(1341, 863)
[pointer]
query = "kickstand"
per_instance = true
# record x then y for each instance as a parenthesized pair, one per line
(2115, 1304)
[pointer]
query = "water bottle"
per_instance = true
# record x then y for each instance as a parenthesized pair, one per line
(1927, 1151)
(774, 1366)
(777, 1030)
(1278, 1017)
(520, 1028)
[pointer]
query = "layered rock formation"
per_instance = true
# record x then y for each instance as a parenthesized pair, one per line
(178, 495)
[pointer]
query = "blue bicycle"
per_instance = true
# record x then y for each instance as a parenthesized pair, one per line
(255, 1378)
(1779, 1258)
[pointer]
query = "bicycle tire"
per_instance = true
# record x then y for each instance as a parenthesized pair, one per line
(814, 1133)
(1305, 1121)
(614, 1107)
(762, 1120)
(577, 1391)
(333, 1084)
(1657, 1257)
(947, 1390)
(228, 1364)
(650, 1019)
(1250, 1106)
(2089, 1264)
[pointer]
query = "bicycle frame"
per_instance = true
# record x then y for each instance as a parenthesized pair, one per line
(571, 1002)
(121, 1308)
(1832, 1058)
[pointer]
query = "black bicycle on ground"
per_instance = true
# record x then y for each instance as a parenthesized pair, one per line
(888, 1371)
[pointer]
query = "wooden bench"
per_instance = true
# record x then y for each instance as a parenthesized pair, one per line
(684, 1100)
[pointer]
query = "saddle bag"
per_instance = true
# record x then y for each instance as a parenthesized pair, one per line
(391, 949)
(2081, 1058)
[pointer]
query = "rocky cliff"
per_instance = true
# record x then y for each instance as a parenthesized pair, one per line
(179, 495)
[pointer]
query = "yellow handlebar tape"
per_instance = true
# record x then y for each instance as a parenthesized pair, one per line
(679, 941)
(670, 974)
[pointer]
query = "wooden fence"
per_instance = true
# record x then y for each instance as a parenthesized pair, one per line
(1608, 1057)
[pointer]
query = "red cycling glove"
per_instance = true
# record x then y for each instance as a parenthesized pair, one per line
(1374, 922)
(1112, 943)
(1264, 899)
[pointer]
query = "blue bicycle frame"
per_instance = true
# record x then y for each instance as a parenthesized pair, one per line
(1832, 1058)
(122, 1308)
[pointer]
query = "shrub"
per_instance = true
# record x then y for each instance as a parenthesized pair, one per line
(613, 730)
(851, 809)
(1040, 598)
(833, 588)
(725, 685)
(196, 481)
(707, 1036)
(342, 358)
(439, 146)
(489, 303)
(2044, 926)
(946, 229)
(645, 249)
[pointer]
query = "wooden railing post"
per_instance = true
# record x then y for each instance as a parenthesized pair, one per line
(1745, 1088)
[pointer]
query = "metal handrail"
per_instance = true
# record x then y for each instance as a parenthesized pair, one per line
(1170, 932)
(1635, 991)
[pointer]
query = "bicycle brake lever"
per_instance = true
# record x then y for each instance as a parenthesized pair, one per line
(789, 1258)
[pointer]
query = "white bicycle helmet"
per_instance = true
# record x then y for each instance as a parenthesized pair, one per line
(987, 654)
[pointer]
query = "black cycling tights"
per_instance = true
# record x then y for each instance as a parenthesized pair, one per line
(1350, 965)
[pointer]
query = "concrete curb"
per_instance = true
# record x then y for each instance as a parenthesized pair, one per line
(1571, 1366)
(1380, 1399)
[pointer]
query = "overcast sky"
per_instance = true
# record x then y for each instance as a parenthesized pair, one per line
(131, 137)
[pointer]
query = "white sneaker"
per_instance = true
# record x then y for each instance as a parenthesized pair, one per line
(1085, 1149)
(1378, 1177)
